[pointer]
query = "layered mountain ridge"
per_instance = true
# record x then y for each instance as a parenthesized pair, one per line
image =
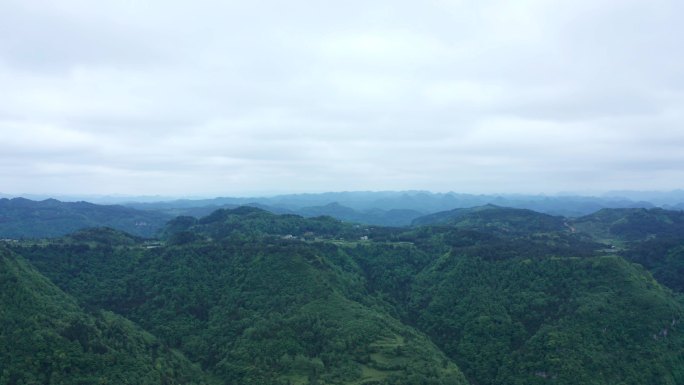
(489, 295)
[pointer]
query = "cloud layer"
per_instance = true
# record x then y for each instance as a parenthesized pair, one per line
(230, 98)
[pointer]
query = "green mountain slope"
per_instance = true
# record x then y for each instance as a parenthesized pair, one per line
(244, 222)
(47, 339)
(503, 296)
(632, 224)
(532, 309)
(23, 218)
(663, 257)
(255, 311)
(653, 238)
(495, 218)
(375, 216)
(565, 320)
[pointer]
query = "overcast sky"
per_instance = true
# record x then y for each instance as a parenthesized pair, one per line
(256, 97)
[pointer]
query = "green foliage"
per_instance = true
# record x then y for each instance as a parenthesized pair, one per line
(497, 296)
(653, 238)
(47, 339)
(258, 311)
(104, 236)
(248, 222)
(664, 257)
(633, 224)
(570, 320)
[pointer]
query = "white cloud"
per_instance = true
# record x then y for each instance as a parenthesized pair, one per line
(217, 97)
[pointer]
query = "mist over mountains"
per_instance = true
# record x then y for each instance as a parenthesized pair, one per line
(428, 202)
(411, 199)
(51, 217)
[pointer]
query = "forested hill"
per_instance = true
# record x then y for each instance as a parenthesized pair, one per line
(652, 238)
(258, 298)
(258, 310)
(24, 218)
(633, 224)
(252, 221)
(371, 216)
(495, 218)
(46, 338)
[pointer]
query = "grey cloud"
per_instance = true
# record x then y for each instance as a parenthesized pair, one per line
(230, 97)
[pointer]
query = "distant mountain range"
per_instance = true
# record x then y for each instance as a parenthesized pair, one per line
(658, 198)
(399, 208)
(20, 217)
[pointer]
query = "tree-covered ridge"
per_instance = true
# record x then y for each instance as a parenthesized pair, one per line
(567, 320)
(370, 216)
(23, 218)
(102, 236)
(46, 338)
(663, 257)
(488, 300)
(248, 221)
(260, 311)
(632, 224)
(653, 238)
(275, 299)
(495, 218)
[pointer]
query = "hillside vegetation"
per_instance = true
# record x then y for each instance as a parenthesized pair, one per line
(46, 338)
(633, 224)
(252, 310)
(483, 296)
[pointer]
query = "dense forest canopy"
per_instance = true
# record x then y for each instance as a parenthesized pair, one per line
(490, 295)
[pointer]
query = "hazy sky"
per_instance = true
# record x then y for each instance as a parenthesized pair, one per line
(243, 97)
